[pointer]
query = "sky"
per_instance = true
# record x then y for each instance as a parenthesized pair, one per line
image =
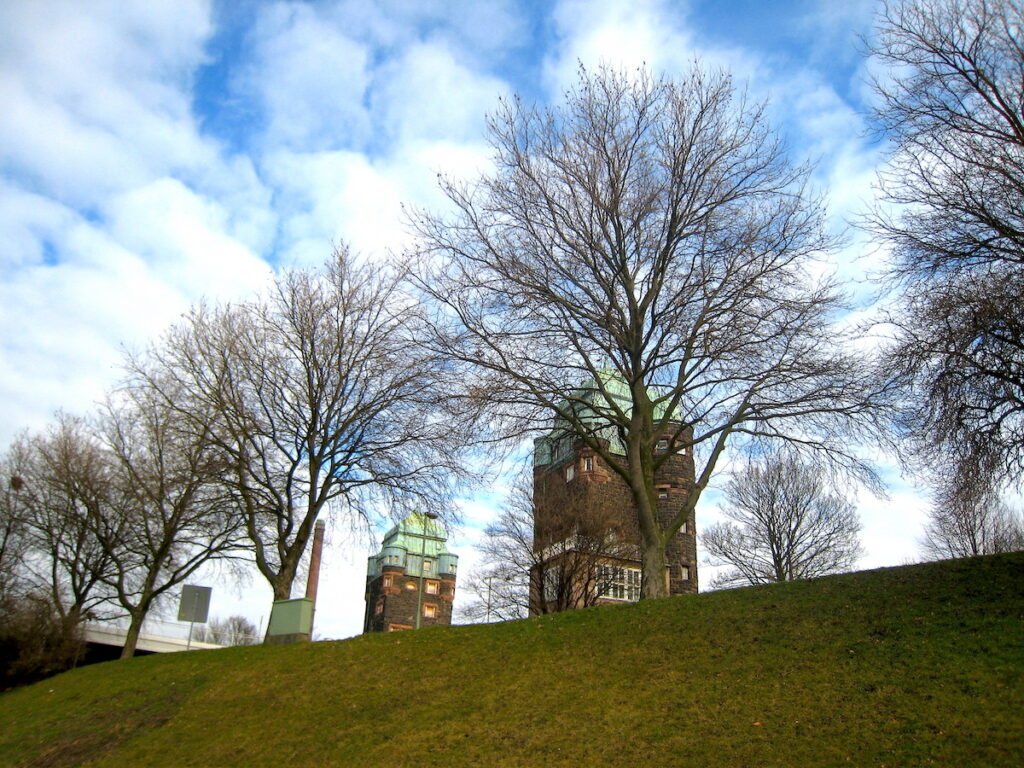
(160, 152)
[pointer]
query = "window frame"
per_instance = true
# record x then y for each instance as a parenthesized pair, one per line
(618, 582)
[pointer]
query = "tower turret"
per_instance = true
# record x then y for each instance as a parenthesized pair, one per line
(410, 583)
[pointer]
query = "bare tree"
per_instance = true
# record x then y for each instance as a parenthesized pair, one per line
(522, 574)
(501, 585)
(35, 641)
(13, 535)
(177, 513)
(952, 105)
(321, 397)
(63, 489)
(959, 527)
(234, 630)
(785, 524)
(652, 233)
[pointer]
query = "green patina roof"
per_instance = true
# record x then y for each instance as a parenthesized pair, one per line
(414, 536)
(413, 528)
(553, 447)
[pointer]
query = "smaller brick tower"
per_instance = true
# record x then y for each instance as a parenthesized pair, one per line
(412, 575)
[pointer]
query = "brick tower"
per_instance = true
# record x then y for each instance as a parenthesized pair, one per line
(412, 576)
(586, 539)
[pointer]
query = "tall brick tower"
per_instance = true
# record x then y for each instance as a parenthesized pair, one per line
(574, 490)
(412, 576)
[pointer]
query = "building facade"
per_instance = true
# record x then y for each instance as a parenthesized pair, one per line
(586, 539)
(412, 576)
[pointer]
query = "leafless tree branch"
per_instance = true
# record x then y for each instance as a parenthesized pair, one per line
(652, 232)
(784, 524)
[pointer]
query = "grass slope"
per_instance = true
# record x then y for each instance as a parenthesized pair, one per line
(904, 666)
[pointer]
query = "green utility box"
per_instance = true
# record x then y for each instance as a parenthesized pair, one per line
(291, 621)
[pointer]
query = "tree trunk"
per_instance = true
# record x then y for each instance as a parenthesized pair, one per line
(71, 620)
(132, 638)
(655, 580)
(282, 587)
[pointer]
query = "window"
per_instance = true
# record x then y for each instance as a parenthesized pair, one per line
(551, 584)
(683, 528)
(570, 472)
(661, 446)
(379, 608)
(617, 583)
(662, 494)
(409, 585)
(429, 611)
(394, 560)
(398, 627)
(428, 565)
(685, 572)
(389, 580)
(588, 463)
(431, 587)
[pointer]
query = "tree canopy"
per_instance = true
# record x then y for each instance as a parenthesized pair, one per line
(653, 233)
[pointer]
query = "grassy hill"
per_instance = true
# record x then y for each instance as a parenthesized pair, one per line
(906, 666)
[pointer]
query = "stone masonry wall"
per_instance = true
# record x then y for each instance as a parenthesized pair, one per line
(601, 495)
(398, 602)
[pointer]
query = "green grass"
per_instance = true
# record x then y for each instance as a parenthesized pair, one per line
(922, 665)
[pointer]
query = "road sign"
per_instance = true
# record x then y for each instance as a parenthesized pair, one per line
(195, 604)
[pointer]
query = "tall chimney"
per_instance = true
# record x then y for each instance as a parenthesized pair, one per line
(314, 562)
(313, 579)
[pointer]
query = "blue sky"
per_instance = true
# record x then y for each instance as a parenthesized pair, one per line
(153, 153)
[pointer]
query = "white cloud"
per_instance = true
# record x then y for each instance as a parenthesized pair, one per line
(833, 29)
(426, 95)
(62, 326)
(96, 95)
(331, 196)
(311, 78)
(27, 221)
(182, 239)
(620, 33)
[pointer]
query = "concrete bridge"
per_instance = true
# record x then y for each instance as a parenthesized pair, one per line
(105, 641)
